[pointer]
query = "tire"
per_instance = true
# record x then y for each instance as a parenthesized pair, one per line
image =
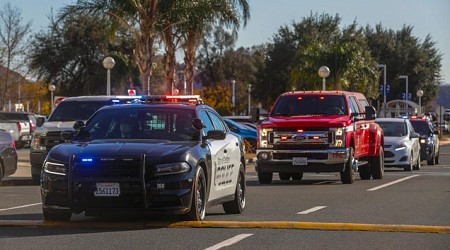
(237, 205)
(198, 204)
(364, 172)
(297, 176)
(410, 165)
(432, 160)
(436, 159)
(417, 166)
(59, 215)
(347, 176)
(265, 178)
(377, 165)
(284, 176)
(1, 174)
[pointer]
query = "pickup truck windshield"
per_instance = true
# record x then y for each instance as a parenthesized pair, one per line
(310, 105)
(73, 111)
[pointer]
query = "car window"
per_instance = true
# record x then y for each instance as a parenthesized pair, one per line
(394, 129)
(141, 123)
(218, 123)
(353, 105)
(422, 127)
(310, 105)
(73, 111)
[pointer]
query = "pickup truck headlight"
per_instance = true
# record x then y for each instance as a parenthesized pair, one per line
(54, 168)
(172, 168)
(36, 142)
(264, 137)
(339, 137)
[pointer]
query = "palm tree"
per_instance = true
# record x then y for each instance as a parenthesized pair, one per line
(139, 17)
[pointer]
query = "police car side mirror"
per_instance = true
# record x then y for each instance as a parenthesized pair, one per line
(78, 125)
(197, 124)
(216, 134)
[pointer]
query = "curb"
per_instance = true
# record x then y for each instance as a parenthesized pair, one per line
(235, 224)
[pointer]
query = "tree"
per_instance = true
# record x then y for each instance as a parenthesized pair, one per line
(13, 44)
(405, 54)
(69, 56)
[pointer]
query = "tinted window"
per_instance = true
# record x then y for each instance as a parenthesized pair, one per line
(310, 105)
(395, 129)
(73, 111)
(422, 127)
(141, 123)
(206, 121)
(353, 105)
(218, 124)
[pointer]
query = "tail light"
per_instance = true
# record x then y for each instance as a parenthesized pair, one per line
(13, 143)
(19, 128)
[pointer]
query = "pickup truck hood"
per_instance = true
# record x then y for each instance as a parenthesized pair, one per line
(306, 121)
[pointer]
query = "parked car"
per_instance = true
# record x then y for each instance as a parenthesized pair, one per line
(444, 127)
(401, 143)
(429, 139)
(177, 158)
(18, 124)
(8, 155)
(247, 133)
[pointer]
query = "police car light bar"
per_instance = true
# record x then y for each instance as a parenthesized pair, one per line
(193, 99)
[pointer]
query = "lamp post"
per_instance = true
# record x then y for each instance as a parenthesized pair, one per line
(324, 72)
(108, 64)
(233, 94)
(51, 88)
(383, 66)
(406, 93)
(419, 94)
(249, 98)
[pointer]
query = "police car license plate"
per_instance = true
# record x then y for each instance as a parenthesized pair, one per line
(107, 189)
(299, 161)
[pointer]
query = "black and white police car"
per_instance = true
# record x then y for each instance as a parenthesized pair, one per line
(169, 154)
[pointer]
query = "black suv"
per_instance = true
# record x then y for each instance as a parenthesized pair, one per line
(429, 141)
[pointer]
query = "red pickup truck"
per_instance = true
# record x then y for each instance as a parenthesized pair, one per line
(319, 131)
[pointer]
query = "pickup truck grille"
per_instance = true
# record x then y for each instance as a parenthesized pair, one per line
(291, 138)
(52, 139)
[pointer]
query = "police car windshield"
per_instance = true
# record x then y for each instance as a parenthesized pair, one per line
(422, 127)
(141, 123)
(393, 129)
(310, 105)
(73, 110)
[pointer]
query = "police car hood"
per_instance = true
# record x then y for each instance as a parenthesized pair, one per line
(307, 121)
(118, 148)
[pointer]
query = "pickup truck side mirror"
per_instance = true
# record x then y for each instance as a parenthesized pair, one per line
(371, 113)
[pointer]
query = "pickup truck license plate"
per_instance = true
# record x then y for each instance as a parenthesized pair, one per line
(107, 189)
(299, 161)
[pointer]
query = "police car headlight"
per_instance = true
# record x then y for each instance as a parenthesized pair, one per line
(400, 146)
(172, 168)
(264, 137)
(424, 141)
(55, 168)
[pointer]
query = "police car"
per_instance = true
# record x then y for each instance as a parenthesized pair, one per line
(168, 154)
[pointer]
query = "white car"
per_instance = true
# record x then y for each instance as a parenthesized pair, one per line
(401, 143)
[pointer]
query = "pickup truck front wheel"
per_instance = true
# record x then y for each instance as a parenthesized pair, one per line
(377, 165)
(347, 176)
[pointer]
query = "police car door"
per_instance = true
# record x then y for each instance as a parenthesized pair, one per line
(225, 160)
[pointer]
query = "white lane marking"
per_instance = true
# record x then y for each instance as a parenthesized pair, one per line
(312, 210)
(393, 182)
(11, 208)
(229, 242)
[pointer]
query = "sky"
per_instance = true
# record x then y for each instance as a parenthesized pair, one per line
(427, 17)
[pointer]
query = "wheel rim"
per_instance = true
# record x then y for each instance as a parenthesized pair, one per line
(241, 191)
(200, 198)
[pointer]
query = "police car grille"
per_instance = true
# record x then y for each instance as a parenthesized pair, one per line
(388, 154)
(108, 168)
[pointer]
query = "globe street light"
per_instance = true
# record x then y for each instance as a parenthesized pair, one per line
(419, 94)
(51, 88)
(383, 66)
(406, 93)
(108, 64)
(324, 72)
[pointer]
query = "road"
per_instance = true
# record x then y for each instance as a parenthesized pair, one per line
(404, 210)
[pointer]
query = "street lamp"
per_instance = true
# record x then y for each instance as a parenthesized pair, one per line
(419, 94)
(51, 88)
(383, 66)
(324, 72)
(406, 93)
(249, 98)
(108, 64)
(233, 94)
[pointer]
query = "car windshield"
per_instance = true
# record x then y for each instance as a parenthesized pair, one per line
(394, 129)
(421, 127)
(73, 111)
(310, 105)
(141, 123)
